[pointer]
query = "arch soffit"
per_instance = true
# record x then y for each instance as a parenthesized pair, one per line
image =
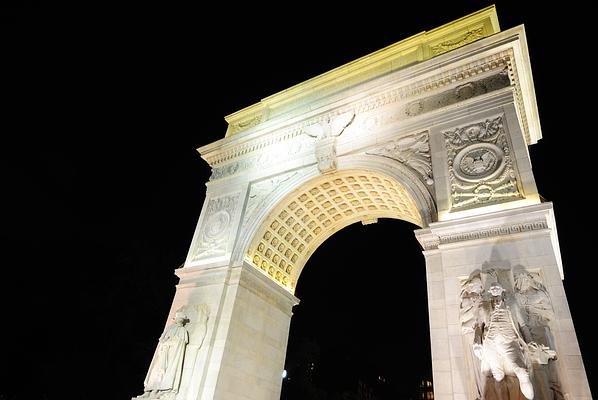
(306, 209)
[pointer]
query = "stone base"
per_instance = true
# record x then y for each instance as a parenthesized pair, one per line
(507, 389)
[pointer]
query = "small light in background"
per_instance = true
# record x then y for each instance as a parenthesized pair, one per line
(284, 373)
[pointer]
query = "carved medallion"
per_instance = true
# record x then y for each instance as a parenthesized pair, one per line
(214, 233)
(216, 224)
(481, 170)
(479, 161)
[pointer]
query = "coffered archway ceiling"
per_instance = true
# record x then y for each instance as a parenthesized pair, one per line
(317, 209)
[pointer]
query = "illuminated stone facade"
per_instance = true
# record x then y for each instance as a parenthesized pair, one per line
(432, 130)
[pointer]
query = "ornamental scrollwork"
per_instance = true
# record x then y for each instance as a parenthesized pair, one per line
(480, 166)
(216, 227)
(468, 37)
(412, 151)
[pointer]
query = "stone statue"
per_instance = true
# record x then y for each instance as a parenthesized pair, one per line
(471, 302)
(509, 335)
(499, 342)
(164, 376)
(535, 303)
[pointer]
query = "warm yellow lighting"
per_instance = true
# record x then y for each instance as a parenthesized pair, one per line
(317, 209)
(416, 48)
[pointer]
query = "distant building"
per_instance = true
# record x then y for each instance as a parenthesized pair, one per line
(426, 391)
(365, 391)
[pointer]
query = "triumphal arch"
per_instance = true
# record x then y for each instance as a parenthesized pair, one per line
(433, 130)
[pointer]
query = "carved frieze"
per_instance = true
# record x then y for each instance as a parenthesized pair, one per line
(216, 227)
(230, 169)
(412, 151)
(501, 61)
(460, 93)
(494, 231)
(246, 124)
(431, 242)
(260, 160)
(480, 166)
(468, 37)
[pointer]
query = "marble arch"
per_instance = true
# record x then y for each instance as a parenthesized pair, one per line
(316, 210)
(434, 130)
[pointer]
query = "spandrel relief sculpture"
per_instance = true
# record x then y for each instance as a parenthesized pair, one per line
(505, 319)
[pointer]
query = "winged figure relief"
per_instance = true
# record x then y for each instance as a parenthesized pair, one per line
(333, 127)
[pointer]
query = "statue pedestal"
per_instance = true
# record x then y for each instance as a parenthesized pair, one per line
(507, 389)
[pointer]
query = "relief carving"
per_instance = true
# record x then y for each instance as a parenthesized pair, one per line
(466, 38)
(261, 160)
(462, 92)
(230, 169)
(163, 380)
(325, 133)
(480, 166)
(260, 191)
(216, 227)
(412, 151)
(500, 62)
(505, 318)
(246, 124)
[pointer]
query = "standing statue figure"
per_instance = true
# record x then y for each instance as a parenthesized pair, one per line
(500, 342)
(470, 306)
(537, 310)
(164, 376)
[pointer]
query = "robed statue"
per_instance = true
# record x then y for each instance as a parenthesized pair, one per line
(164, 376)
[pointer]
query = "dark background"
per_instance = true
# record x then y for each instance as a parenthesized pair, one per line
(102, 187)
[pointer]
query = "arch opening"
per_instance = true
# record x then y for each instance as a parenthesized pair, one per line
(352, 321)
(314, 211)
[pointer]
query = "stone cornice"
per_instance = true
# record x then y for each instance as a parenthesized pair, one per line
(203, 275)
(402, 86)
(225, 150)
(535, 218)
(417, 48)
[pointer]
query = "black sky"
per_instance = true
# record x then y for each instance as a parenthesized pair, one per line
(102, 186)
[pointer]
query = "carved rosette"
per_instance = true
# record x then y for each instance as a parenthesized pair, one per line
(216, 227)
(481, 170)
(412, 151)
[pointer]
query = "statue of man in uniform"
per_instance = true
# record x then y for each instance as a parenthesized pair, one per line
(499, 341)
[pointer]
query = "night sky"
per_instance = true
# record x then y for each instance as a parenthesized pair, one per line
(102, 186)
